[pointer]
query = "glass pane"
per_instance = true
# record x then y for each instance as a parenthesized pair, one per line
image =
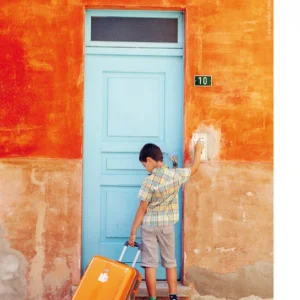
(122, 29)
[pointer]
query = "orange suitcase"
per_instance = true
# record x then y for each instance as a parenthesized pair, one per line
(106, 279)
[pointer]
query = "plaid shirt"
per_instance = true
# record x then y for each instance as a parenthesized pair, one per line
(161, 189)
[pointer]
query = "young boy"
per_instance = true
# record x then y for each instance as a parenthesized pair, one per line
(158, 212)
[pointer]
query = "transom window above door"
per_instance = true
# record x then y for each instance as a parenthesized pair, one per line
(106, 28)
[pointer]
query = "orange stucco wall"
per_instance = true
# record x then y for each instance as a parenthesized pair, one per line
(42, 75)
(41, 128)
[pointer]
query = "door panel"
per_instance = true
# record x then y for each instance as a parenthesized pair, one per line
(129, 101)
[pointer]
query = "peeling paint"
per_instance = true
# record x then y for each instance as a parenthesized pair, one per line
(244, 216)
(13, 268)
(253, 280)
(222, 249)
(38, 198)
(217, 218)
(59, 274)
(40, 65)
(38, 262)
(230, 229)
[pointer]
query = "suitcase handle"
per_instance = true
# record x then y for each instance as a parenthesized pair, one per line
(137, 245)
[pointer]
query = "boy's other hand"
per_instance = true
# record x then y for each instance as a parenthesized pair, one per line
(132, 240)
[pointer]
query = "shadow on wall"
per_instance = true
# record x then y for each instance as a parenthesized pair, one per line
(255, 280)
(13, 267)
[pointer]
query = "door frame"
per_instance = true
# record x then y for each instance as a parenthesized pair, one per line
(98, 48)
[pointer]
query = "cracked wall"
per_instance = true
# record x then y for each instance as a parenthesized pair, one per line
(13, 267)
(40, 206)
(228, 221)
(247, 281)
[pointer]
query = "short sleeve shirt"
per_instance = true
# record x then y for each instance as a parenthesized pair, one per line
(161, 189)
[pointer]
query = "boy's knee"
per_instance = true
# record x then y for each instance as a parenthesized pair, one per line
(169, 264)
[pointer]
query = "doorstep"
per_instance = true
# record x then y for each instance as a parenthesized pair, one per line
(161, 289)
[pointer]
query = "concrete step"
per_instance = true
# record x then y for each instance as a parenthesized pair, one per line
(162, 290)
(159, 298)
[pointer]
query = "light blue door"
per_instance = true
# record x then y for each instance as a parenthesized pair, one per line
(130, 99)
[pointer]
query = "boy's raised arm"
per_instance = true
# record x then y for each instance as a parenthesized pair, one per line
(197, 157)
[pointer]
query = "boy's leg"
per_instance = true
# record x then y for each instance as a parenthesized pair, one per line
(166, 239)
(172, 280)
(149, 259)
(150, 274)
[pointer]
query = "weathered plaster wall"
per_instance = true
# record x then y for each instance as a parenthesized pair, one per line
(40, 208)
(12, 271)
(228, 209)
(231, 41)
(228, 238)
(229, 230)
(42, 74)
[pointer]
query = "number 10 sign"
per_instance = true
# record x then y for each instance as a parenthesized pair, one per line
(203, 80)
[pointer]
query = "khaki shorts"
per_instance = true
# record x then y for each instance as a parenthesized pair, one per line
(152, 237)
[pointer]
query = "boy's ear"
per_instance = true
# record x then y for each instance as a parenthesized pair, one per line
(149, 160)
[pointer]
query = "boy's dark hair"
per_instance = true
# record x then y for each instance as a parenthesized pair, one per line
(150, 150)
